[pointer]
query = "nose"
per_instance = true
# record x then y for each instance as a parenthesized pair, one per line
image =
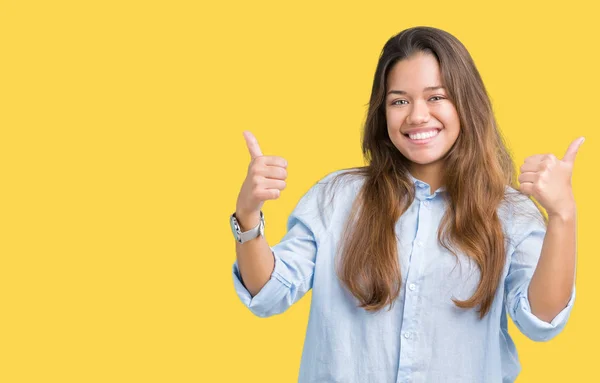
(419, 114)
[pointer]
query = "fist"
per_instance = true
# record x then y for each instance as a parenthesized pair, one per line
(548, 180)
(265, 179)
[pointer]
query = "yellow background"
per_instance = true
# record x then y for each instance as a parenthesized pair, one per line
(121, 157)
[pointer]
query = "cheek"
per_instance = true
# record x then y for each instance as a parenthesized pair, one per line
(394, 119)
(449, 117)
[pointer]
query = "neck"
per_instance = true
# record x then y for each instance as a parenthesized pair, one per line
(430, 174)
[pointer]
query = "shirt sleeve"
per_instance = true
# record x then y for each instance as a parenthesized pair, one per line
(295, 257)
(529, 232)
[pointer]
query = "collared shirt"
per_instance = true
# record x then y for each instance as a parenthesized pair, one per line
(425, 337)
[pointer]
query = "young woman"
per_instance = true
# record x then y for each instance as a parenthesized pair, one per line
(417, 258)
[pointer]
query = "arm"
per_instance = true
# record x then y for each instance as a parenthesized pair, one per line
(540, 283)
(554, 277)
(271, 288)
(254, 258)
(269, 280)
(527, 239)
(548, 179)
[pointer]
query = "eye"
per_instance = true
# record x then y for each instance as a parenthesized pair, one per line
(396, 102)
(438, 97)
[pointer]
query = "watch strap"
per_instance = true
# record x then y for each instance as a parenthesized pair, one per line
(252, 233)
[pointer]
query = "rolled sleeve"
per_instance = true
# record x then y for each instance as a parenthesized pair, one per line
(528, 235)
(535, 328)
(275, 290)
(295, 257)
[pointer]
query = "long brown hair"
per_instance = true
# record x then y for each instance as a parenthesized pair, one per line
(478, 168)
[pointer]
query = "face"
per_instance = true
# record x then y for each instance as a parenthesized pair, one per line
(421, 121)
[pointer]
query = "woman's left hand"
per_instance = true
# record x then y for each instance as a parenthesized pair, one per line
(548, 180)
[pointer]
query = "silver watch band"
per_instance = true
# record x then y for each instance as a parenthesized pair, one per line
(247, 235)
(250, 234)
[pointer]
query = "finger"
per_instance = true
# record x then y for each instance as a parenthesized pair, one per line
(528, 177)
(572, 150)
(274, 161)
(273, 172)
(266, 194)
(535, 158)
(252, 144)
(274, 184)
(530, 167)
(526, 188)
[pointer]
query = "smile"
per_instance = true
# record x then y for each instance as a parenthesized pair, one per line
(423, 137)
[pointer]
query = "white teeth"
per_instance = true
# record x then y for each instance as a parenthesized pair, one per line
(423, 136)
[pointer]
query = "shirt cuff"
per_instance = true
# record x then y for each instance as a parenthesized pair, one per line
(273, 292)
(535, 328)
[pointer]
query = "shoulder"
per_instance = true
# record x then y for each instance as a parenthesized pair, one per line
(329, 196)
(516, 203)
(342, 179)
(338, 183)
(519, 215)
(339, 187)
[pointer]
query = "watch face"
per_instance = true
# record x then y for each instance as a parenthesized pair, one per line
(235, 228)
(261, 228)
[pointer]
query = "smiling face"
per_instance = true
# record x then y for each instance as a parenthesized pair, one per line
(422, 122)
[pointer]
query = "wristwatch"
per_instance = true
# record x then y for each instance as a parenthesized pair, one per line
(247, 235)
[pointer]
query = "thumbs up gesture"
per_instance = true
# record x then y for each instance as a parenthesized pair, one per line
(265, 179)
(548, 180)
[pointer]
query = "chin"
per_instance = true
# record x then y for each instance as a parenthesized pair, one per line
(425, 161)
(422, 160)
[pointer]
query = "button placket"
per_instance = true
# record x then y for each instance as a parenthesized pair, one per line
(408, 333)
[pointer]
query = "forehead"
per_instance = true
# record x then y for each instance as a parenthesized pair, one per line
(414, 73)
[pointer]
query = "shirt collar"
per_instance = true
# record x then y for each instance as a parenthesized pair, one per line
(423, 189)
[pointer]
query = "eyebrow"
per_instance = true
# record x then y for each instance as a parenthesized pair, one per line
(424, 89)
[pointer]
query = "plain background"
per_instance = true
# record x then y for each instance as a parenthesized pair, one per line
(121, 157)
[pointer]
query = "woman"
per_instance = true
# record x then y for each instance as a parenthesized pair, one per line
(416, 260)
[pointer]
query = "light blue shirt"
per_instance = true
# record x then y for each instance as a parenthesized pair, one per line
(425, 337)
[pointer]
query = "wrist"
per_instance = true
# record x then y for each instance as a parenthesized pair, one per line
(565, 214)
(247, 221)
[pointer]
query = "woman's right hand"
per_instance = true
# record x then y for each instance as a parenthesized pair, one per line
(265, 180)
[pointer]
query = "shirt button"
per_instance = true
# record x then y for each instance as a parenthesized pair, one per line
(420, 244)
(426, 203)
(422, 185)
(407, 335)
(412, 287)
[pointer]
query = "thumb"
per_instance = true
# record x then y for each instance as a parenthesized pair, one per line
(252, 144)
(572, 150)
